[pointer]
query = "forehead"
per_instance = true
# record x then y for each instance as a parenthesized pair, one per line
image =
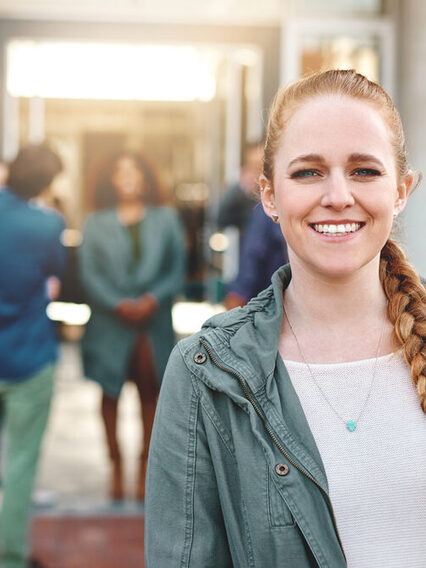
(336, 124)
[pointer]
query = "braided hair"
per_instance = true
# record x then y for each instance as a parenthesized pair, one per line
(407, 311)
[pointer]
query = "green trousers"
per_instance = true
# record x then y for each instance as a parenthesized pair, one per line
(24, 413)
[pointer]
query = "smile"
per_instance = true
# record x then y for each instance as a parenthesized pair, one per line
(336, 230)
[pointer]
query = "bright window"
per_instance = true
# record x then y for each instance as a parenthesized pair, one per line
(110, 71)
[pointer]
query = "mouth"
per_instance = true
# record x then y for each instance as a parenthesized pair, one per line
(336, 230)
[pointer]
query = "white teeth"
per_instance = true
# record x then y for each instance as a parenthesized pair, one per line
(340, 229)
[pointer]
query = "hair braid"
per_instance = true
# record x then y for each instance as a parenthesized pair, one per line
(407, 311)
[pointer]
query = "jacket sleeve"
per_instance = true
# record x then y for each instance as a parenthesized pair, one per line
(184, 524)
(96, 286)
(171, 282)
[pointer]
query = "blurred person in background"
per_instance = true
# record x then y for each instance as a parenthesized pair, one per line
(292, 432)
(263, 251)
(236, 206)
(31, 255)
(132, 267)
(235, 210)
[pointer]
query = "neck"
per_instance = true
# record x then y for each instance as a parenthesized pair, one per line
(130, 211)
(336, 300)
(338, 319)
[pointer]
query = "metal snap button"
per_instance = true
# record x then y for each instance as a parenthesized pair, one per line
(200, 358)
(281, 469)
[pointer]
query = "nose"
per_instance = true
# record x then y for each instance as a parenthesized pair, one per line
(337, 193)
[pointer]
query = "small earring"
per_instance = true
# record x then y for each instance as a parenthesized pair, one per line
(275, 218)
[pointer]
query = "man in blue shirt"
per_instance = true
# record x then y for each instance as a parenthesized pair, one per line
(238, 202)
(263, 251)
(30, 254)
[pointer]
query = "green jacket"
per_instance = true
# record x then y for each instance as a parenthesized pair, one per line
(234, 476)
(108, 275)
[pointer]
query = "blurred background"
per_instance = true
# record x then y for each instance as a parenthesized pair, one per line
(190, 82)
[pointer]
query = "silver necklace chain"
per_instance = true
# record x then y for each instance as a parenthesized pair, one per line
(352, 423)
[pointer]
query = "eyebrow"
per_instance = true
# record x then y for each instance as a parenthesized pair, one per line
(307, 158)
(356, 157)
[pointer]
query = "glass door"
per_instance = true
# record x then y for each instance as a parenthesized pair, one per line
(364, 44)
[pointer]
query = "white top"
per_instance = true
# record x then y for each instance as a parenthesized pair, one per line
(376, 474)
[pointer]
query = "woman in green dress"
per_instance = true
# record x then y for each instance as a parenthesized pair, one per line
(132, 265)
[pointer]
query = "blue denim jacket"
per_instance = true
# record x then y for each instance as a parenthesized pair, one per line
(234, 475)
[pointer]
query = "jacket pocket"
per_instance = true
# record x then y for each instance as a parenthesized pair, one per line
(278, 513)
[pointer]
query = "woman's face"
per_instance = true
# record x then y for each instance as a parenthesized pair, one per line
(335, 186)
(127, 179)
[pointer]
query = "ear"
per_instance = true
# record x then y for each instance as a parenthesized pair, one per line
(404, 188)
(267, 196)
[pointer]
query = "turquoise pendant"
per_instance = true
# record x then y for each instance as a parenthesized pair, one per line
(351, 425)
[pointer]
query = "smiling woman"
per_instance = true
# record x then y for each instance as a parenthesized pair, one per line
(293, 424)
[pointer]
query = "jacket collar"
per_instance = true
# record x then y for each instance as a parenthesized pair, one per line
(246, 339)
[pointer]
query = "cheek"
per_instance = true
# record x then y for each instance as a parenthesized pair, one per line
(380, 206)
(294, 205)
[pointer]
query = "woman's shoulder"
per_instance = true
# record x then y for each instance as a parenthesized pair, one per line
(164, 212)
(224, 325)
(100, 217)
(99, 224)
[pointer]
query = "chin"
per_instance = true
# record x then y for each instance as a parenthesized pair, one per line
(341, 269)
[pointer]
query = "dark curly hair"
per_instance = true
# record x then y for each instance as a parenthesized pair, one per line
(105, 195)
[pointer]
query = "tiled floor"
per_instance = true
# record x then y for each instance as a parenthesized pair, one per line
(94, 542)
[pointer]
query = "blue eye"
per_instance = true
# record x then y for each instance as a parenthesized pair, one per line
(304, 174)
(366, 172)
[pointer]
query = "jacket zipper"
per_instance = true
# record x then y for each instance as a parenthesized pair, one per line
(250, 398)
